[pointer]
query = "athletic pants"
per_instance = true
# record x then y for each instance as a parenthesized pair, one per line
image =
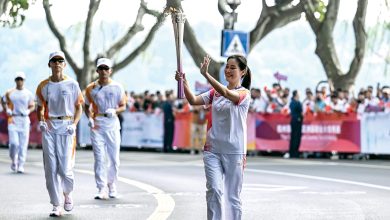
(105, 144)
(18, 144)
(295, 138)
(58, 160)
(224, 177)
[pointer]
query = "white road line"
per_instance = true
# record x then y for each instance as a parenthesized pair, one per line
(269, 187)
(320, 178)
(281, 162)
(165, 203)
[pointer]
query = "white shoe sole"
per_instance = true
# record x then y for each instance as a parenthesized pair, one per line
(54, 214)
(69, 208)
(101, 197)
(113, 196)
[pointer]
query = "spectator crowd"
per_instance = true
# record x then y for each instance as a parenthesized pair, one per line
(276, 100)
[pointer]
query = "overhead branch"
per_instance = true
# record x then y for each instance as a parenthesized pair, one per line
(133, 30)
(309, 7)
(197, 52)
(142, 46)
(272, 18)
(93, 7)
(360, 37)
(59, 36)
(332, 10)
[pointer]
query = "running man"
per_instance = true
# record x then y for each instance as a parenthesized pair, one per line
(18, 103)
(59, 110)
(105, 99)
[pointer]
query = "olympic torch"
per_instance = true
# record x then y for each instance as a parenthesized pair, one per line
(178, 20)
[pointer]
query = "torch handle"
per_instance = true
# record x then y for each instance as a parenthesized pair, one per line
(180, 89)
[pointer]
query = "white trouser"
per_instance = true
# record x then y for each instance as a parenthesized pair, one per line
(224, 177)
(18, 144)
(105, 143)
(58, 161)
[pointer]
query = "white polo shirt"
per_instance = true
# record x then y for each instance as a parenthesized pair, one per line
(102, 98)
(228, 131)
(59, 99)
(18, 101)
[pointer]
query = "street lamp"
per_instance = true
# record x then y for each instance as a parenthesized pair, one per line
(233, 4)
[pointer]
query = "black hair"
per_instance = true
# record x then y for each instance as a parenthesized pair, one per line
(295, 93)
(242, 64)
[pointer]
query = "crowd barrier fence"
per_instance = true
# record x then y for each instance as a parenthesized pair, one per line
(345, 133)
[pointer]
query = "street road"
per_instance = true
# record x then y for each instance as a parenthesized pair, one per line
(155, 185)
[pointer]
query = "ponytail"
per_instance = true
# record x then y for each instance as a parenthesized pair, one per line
(247, 79)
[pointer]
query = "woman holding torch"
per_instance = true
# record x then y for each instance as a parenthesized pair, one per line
(225, 148)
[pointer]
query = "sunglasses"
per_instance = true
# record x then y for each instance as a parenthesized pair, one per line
(57, 60)
(103, 68)
(19, 78)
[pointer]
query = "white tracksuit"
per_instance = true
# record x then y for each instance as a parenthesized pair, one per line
(59, 100)
(225, 154)
(18, 124)
(105, 135)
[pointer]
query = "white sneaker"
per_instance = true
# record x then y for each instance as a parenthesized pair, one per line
(56, 212)
(286, 156)
(112, 191)
(20, 169)
(102, 194)
(113, 194)
(13, 167)
(68, 203)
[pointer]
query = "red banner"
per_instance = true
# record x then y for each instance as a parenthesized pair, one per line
(320, 133)
(35, 134)
(182, 135)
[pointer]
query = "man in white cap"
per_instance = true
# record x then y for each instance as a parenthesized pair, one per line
(18, 102)
(105, 99)
(59, 110)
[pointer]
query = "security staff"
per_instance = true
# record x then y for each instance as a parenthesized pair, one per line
(296, 125)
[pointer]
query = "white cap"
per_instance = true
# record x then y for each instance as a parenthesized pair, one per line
(20, 75)
(104, 61)
(56, 54)
(386, 90)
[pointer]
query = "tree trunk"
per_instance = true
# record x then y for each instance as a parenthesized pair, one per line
(325, 49)
(270, 19)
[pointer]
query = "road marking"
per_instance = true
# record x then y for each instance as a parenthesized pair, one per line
(116, 206)
(165, 203)
(270, 188)
(361, 165)
(283, 162)
(320, 178)
(335, 193)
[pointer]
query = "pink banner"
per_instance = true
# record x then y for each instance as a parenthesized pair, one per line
(182, 135)
(3, 129)
(320, 133)
(251, 134)
(35, 134)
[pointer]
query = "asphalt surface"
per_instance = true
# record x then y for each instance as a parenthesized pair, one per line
(155, 185)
